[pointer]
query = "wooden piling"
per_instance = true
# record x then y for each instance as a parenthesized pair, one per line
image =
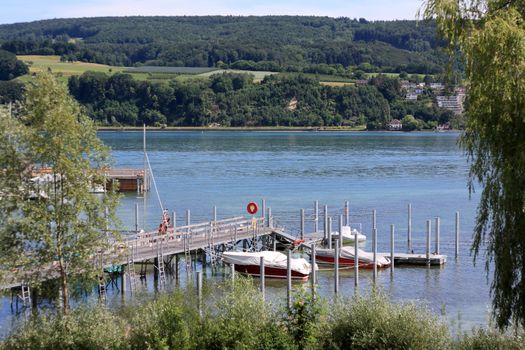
(429, 229)
(438, 233)
(392, 248)
(329, 233)
(356, 263)
(409, 228)
(457, 234)
(336, 279)
(347, 213)
(289, 279)
(199, 291)
(325, 224)
(302, 224)
(313, 273)
(316, 216)
(136, 218)
(374, 247)
(262, 276)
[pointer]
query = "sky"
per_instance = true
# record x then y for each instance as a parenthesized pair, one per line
(13, 11)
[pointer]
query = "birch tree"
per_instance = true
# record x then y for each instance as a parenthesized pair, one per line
(53, 228)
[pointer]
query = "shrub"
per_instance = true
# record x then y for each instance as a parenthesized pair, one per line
(491, 340)
(375, 323)
(83, 328)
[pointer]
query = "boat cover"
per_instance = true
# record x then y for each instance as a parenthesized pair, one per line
(349, 253)
(271, 259)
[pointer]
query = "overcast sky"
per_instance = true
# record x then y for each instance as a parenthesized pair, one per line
(12, 11)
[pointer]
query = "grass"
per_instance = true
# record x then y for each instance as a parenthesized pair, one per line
(258, 75)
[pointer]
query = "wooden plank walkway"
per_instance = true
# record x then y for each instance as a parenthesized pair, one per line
(191, 237)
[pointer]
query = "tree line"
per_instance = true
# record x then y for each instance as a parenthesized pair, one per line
(277, 43)
(233, 99)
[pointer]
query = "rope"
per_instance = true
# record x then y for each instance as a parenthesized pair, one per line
(154, 182)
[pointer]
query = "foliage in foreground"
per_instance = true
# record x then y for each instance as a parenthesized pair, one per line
(490, 34)
(238, 318)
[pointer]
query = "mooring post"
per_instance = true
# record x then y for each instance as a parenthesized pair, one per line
(302, 224)
(289, 279)
(316, 216)
(261, 272)
(392, 248)
(123, 283)
(356, 263)
(313, 273)
(457, 234)
(409, 228)
(176, 267)
(341, 230)
(347, 213)
(438, 228)
(199, 291)
(336, 282)
(341, 217)
(136, 218)
(325, 225)
(232, 272)
(374, 244)
(429, 229)
(329, 234)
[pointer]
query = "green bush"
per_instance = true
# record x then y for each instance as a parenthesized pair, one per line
(375, 323)
(171, 322)
(83, 328)
(240, 319)
(491, 339)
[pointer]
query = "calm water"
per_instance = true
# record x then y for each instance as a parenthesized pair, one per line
(382, 171)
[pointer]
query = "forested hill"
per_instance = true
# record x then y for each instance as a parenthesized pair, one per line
(278, 43)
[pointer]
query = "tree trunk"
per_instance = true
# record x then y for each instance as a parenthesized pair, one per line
(65, 289)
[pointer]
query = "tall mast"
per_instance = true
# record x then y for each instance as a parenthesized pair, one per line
(145, 179)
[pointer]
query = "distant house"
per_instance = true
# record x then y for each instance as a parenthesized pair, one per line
(395, 124)
(452, 103)
(411, 97)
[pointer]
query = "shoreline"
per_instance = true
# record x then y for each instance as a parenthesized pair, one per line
(252, 129)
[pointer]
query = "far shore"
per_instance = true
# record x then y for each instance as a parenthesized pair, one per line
(258, 129)
(206, 128)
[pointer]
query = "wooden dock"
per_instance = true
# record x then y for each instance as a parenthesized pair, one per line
(129, 179)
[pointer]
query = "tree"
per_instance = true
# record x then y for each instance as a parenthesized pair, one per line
(10, 67)
(490, 34)
(63, 228)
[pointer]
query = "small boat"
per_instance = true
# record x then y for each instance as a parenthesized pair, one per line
(275, 264)
(347, 258)
(349, 235)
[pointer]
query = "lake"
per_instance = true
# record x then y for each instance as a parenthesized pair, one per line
(384, 171)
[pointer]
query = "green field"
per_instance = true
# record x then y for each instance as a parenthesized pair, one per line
(66, 69)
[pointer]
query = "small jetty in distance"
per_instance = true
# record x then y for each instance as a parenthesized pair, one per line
(129, 179)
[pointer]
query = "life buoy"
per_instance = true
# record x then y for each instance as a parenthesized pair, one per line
(298, 241)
